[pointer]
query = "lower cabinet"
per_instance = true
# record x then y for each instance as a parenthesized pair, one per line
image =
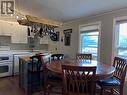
(29, 81)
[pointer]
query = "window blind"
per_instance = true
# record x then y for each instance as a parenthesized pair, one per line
(89, 28)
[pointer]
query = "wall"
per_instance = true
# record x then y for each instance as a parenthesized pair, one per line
(106, 33)
(56, 46)
(106, 44)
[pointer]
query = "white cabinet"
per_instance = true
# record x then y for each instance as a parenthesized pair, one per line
(19, 34)
(44, 40)
(23, 34)
(16, 61)
(0, 28)
(5, 28)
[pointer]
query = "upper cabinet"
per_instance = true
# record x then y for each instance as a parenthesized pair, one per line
(19, 34)
(5, 28)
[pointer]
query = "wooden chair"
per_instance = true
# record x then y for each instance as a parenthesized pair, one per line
(82, 56)
(49, 82)
(34, 74)
(78, 80)
(57, 56)
(115, 83)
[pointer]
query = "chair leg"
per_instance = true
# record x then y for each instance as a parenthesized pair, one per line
(121, 90)
(112, 91)
(101, 92)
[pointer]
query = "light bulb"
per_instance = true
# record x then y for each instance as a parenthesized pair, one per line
(11, 15)
(17, 17)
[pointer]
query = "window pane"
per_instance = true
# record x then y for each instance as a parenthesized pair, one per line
(122, 53)
(123, 35)
(89, 42)
(122, 40)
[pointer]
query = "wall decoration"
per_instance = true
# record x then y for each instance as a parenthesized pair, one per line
(67, 37)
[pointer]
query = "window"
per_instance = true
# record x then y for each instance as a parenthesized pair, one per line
(120, 46)
(89, 39)
(121, 38)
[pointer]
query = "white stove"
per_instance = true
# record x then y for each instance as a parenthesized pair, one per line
(9, 60)
(6, 62)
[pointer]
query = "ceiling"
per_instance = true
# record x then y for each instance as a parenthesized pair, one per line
(67, 10)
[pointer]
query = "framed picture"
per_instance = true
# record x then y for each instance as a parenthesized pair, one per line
(67, 37)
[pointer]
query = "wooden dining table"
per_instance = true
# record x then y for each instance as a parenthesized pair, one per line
(103, 70)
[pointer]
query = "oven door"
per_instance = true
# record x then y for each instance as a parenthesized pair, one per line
(5, 58)
(5, 69)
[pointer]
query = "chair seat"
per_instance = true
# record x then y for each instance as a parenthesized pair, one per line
(55, 78)
(109, 82)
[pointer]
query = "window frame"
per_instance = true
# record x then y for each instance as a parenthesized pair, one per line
(116, 35)
(99, 36)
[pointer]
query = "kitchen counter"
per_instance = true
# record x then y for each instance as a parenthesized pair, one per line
(27, 58)
(23, 53)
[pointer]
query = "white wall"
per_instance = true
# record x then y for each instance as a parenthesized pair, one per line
(55, 46)
(106, 34)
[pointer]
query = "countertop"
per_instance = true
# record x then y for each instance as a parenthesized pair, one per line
(27, 58)
(18, 52)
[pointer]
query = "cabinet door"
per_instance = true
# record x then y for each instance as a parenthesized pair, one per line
(16, 64)
(0, 28)
(23, 34)
(44, 40)
(19, 34)
(15, 38)
(5, 28)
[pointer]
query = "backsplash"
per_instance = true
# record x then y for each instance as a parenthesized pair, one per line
(6, 41)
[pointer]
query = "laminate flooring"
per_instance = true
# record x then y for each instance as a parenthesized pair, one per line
(10, 86)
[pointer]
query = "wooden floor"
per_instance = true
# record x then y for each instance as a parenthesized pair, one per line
(10, 86)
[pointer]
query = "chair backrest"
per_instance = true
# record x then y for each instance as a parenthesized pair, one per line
(78, 80)
(82, 56)
(35, 63)
(120, 65)
(38, 62)
(57, 56)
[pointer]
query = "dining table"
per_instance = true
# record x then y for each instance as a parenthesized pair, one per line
(103, 70)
